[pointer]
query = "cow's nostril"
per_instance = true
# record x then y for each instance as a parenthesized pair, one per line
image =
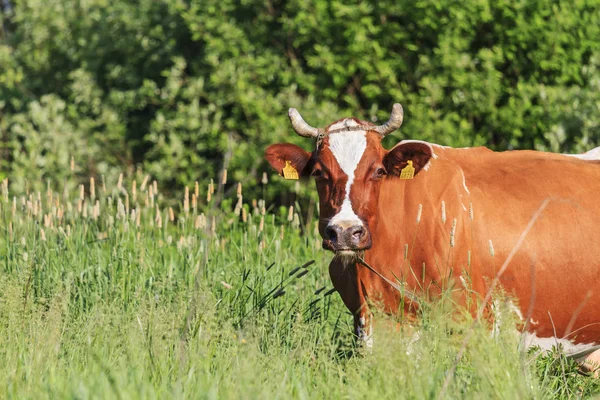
(357, 232)
(331, 233)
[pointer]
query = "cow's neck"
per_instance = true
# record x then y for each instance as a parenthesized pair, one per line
(396, 223)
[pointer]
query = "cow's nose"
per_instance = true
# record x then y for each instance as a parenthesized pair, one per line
(350, 238)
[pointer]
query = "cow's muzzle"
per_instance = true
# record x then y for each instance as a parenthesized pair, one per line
(351, 239)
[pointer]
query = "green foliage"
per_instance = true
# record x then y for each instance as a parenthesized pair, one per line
(184, 89)
(561, 375)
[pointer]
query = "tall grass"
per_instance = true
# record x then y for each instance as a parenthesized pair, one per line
(111, 292)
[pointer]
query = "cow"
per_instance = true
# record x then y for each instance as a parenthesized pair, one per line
(408, 222)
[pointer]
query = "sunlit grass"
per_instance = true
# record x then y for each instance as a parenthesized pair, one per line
(111, 292)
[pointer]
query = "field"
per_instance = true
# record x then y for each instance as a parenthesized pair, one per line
(109, 291)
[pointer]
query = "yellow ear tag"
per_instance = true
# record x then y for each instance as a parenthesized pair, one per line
(289, 172)
(408, 172)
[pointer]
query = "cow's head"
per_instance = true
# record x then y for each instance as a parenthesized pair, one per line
(348, 165)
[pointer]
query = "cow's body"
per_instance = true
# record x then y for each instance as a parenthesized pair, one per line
(502, 191)
(454, 225)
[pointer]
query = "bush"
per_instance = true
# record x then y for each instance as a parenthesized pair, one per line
(183, 89)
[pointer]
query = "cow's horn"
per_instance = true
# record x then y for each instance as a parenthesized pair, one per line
(300, 125)
(393, 123)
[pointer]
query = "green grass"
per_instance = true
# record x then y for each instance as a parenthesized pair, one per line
(99, 306)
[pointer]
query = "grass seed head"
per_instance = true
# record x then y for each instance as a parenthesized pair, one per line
(238, 206)
(443, 212)
(419, 211)
(197, 222)
(120, 209)
(144, 183)
(96, 212)
(92, 188)
(186, 201)
(224, 177)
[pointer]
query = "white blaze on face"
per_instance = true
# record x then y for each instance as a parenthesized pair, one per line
(348, 149)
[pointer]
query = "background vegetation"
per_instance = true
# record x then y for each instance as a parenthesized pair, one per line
(183, 88)
(144, 283)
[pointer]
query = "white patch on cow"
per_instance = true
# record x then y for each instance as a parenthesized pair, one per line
(593, 154)
(533, 322)
(347, 148)
(464, 181)
(529, 339)
(365, 333)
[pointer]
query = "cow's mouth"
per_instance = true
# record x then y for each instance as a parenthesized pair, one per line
(348, 255)
(345, 252)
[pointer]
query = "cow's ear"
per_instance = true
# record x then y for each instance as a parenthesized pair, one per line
(397, 158)
(278, 155)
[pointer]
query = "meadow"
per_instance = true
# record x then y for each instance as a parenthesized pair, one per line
(110, 290)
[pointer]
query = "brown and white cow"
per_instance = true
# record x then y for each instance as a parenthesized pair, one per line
(455, 223)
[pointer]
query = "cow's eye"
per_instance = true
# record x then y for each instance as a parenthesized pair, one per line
(317, 173)
(380, 172)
